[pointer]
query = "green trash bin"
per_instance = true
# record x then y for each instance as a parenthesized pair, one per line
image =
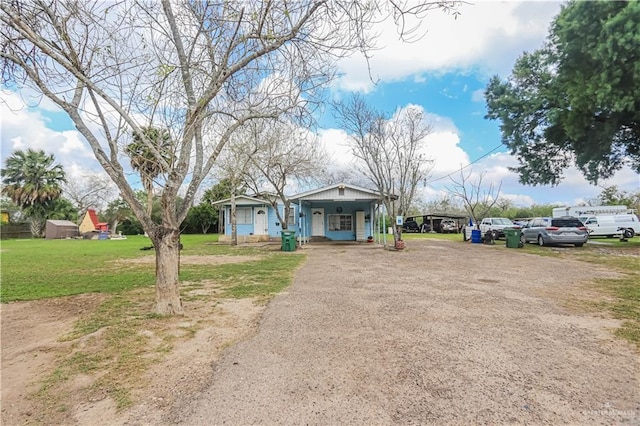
(288, 240)
(513, 237)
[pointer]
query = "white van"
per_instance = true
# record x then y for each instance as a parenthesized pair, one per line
(610, 225)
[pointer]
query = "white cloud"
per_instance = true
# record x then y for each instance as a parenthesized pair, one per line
(24, 128)
(486, 37)
(335, 143)
(520, 200)
(477, 95)
(443, 149)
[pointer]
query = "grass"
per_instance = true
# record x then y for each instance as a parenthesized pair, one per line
(112, 342)
(410, 236)
(37, 269)
(259, 279)
(624, 292)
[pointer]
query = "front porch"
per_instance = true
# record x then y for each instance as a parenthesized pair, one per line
(337, 213)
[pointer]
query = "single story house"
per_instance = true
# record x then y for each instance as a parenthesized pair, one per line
(339, 212)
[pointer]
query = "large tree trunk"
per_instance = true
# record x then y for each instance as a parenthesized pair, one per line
(167, 244)
(37, 226)
(114, 226)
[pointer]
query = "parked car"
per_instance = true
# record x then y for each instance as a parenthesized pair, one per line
(448, 225)
(425, 227)
(521, 222)
(558, 230)
(496, 226)
(410, 226)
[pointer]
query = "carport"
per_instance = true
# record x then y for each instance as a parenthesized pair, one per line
(434, 219)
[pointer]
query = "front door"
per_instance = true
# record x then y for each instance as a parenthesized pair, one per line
(260, 222)
(317, 222)
(360, 231)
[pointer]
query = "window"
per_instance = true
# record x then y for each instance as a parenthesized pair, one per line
(291, 220)
(567, 223)
(340, 222)
(243, 216)
(502, 221)
(591, 221)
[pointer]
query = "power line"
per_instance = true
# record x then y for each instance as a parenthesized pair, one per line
(462, 168)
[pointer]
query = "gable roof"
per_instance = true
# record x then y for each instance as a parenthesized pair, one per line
(93, 216)
(241, 199)
(330, 193)
(57, 222)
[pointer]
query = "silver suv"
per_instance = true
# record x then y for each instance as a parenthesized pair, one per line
(557, 230)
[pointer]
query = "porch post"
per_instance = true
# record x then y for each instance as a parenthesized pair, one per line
(371, 216)
(384, 228)
(377, 229)
(300, 224)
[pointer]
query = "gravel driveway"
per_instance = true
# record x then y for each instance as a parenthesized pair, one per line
(442, 333)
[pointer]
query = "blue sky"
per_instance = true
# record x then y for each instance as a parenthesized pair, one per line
(444, 72)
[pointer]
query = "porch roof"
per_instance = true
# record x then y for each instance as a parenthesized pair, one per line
(241, 199)
(333, 193)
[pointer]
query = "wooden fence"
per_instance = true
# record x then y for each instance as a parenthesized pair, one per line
(15, 231)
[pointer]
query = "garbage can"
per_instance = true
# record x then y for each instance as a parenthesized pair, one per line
(513, 237)
(288, 240)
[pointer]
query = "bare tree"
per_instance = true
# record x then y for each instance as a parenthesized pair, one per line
(389, 151)
(233, 164)
(90, 190)
(445, 204)
(281, 154)
(477, 199)
(198, 69)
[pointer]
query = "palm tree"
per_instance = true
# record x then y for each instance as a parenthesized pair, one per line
(33, 182)
(148, 161)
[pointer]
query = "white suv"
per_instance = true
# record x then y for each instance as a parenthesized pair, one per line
(448, 225)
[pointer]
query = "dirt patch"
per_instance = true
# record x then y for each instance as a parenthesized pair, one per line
(33, 344)
(30, 332)
(185, 371)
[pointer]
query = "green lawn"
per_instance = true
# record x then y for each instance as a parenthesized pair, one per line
(37, 269)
